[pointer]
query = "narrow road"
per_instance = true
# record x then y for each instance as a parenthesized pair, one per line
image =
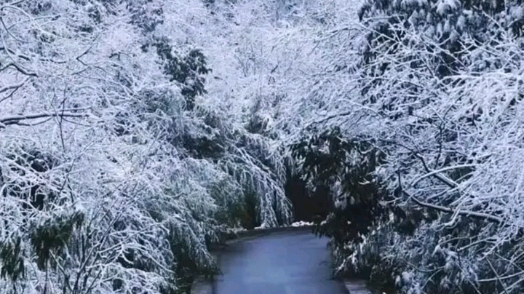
(280, 263)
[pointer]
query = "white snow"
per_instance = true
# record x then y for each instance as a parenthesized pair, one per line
(301, 224)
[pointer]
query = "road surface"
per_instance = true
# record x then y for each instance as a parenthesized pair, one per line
(279, 263)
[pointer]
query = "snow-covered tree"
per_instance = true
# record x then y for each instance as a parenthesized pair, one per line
(117, 169)
(435, 86)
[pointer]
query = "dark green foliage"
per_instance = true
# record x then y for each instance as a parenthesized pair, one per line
(50, 238)
(206, 143)
(257, 125)
(320, 165)
(329, 158)
(202, 147)
(142, 18)
(187, 70)
(12, 263)
(249, 217)
(243, 212)
(187, 265)
(307, 205)
(209, 142)
(235, 212)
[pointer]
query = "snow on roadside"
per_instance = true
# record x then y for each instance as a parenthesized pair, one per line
(301, 224)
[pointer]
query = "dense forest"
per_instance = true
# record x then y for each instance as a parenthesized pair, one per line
(135, 134)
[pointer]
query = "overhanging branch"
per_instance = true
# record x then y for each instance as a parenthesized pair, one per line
(436, 174)
(479, 215)
(18, 120)
(19, 69)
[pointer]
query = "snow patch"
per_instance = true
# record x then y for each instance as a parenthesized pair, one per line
(301, 224)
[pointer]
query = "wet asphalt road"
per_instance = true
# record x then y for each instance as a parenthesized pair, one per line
(280, 263)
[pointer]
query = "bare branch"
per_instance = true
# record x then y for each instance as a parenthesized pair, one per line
(14, 86)
(14, 120)
(19, 69)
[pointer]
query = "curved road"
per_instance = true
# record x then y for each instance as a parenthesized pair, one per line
(279, 263)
